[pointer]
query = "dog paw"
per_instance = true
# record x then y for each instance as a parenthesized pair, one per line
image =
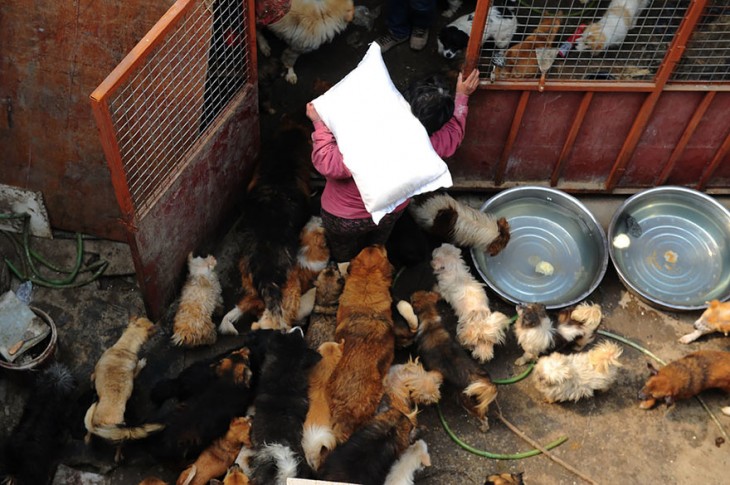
(291, 76)
(689, 338)
(227, 328)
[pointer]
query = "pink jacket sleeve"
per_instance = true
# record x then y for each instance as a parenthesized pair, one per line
(447, 139)
(326, 156)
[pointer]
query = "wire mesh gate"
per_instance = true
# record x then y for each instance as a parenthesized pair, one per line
(618, 77)
(178, 122)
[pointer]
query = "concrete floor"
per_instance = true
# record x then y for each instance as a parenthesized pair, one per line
(610, 439)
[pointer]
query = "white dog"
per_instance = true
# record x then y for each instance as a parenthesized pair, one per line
(479, 328)
(611, 29)
(413, 459)
(501, 26)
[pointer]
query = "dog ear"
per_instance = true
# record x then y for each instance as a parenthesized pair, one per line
(652, 370)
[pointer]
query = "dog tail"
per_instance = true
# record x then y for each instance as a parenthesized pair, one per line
(274, 464)
(315, 440)
(116, 433)
(604, 356)
(481, 393)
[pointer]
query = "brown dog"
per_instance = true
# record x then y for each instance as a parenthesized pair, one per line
(687, 377)
(215, 460)
(365, 321)
(323, 319)
(715, 319)
(521, 59)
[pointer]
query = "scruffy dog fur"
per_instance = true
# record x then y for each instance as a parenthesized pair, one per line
(715, 319)
(113, 378)
(479, 328)
(317, 437)
(308, 25)
(505, 479)
(459, 224)
(539, 334)
(409, 385)
(612, 28)
(687, 377)
(561, 377)
(215, 460)
(275, 209)
(415, 458)
(200, 297)
(29, 454)
(323, 319)
(521, 59)
(440, 352)
(365, 321)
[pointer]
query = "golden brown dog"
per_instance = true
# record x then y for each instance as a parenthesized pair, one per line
(687, 377)
(215, 460)
(317, 437)
(504, 479)
(715, 319)
(521, 59)
(113, 378)
(409, 385)
(365, 321)
(200, 297)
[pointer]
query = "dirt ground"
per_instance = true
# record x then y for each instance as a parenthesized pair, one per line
(609, 439)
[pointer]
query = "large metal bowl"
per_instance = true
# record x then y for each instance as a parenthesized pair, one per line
(670, 246)
(550, 226)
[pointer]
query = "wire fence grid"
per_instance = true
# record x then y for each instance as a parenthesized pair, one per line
(167, 104)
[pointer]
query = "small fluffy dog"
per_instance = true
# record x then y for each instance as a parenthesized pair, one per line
(501, 26)
(415, 458)
(612, 28)
(561, 377)
(538, 334)
(200, 297)
(409, 385)
(317, 437)
(457, 223)
(520, 60)
(687, 377)
(306, 27)
(440, 352)
(215, 460)
(113, 378)
(31, 449)
(365, 321)
(479, 328)
(715, 319)
(323, 319)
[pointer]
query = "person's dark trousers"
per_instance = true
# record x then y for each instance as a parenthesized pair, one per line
(405, 14)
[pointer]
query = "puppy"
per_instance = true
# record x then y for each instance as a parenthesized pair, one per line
(235, 476)
(275, 209)
(281, 407)
(687, 377)
(317, 437)
(440, 352)
(479, 328)
(457, 223)
(368, 455)
(538, 334)
(505, 479)
(31, 449)
(520, 60)
(201, 296)
(612, 28)
(113, 378)
(501, 26)
(323, 319)
(715, 319)
(561, 377)
(306, 27)
(365, 322)
(215, 460)
(312, 258)
(412, 460)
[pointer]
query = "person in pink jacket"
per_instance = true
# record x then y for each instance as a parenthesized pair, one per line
(348, 226)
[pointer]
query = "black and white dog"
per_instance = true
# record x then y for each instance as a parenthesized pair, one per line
(501, 26)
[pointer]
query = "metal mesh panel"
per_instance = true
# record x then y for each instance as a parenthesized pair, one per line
(175, 94)
(613, 45)
(707, 57)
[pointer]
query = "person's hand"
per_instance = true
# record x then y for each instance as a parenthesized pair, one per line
(312, 113)
(469, 85)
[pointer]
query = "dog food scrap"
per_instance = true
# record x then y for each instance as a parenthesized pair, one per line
(621, 241)
(670, 257)
(544, 268)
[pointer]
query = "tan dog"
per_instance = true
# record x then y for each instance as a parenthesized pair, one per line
(365, 321)
(409, 385)
(715, 319)
(521, 59)
(113, 378)
(317, 437)
(215, 460)
(200, 297)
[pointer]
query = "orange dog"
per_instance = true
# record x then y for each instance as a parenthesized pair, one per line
(521, 59)
(687, 377)
(235, 476)
(715, 319)
(365, 321)
(215, 460)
